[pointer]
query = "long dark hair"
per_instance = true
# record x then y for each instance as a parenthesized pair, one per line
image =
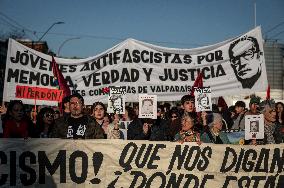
(40, 117)
(131, 112)
(282, 114)
(10, 107)
(96, 104)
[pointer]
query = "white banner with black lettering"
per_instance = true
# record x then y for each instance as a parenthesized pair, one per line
(231, 67)
(119, 163)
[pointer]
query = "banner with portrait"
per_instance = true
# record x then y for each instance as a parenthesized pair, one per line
(119, 163)
(230, 67)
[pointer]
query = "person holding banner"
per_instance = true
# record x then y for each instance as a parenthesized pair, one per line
(44, 122)
(77, 125)
(15, 123)
(159, 128)
(280, 112)
(65, 106)
(253, 110)
(188, 132)
(214, 134)
(174, 123)
(240, 110)
(272, 130)
(188, 106)
(139, 129)
(3, 111)
(98, 112)
(111, 129)
(280, 118)
(225, 112)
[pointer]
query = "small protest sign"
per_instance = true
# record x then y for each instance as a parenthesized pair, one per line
(148, 106)
(116, 100)
(254, 127)
(203, 99)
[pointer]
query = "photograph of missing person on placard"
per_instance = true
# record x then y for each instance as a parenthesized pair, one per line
(203, 99)
(254, 127)
(116, 100)
(148, 106)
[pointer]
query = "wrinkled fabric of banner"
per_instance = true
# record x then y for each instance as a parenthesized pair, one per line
(231, 67)
(119, 163)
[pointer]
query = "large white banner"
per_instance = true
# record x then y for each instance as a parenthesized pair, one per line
(118, 163)
(231, 67)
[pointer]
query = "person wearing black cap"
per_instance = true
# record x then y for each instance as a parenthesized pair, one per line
(253, 106)
(77, 125)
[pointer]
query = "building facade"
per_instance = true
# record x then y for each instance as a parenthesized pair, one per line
(274, 59)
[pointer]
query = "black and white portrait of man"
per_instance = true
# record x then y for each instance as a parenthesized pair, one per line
(254, 126)
(245, 60)
(147, 106)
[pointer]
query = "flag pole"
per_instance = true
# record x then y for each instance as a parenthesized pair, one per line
(60, 80)
(35, 110)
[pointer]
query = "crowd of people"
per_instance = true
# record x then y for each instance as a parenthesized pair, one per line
(174, 123)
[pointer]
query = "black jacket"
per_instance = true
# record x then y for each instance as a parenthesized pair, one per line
(93, 130)
(159, 130)
(135, 131)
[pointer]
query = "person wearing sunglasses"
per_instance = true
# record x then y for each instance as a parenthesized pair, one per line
(45, 122)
